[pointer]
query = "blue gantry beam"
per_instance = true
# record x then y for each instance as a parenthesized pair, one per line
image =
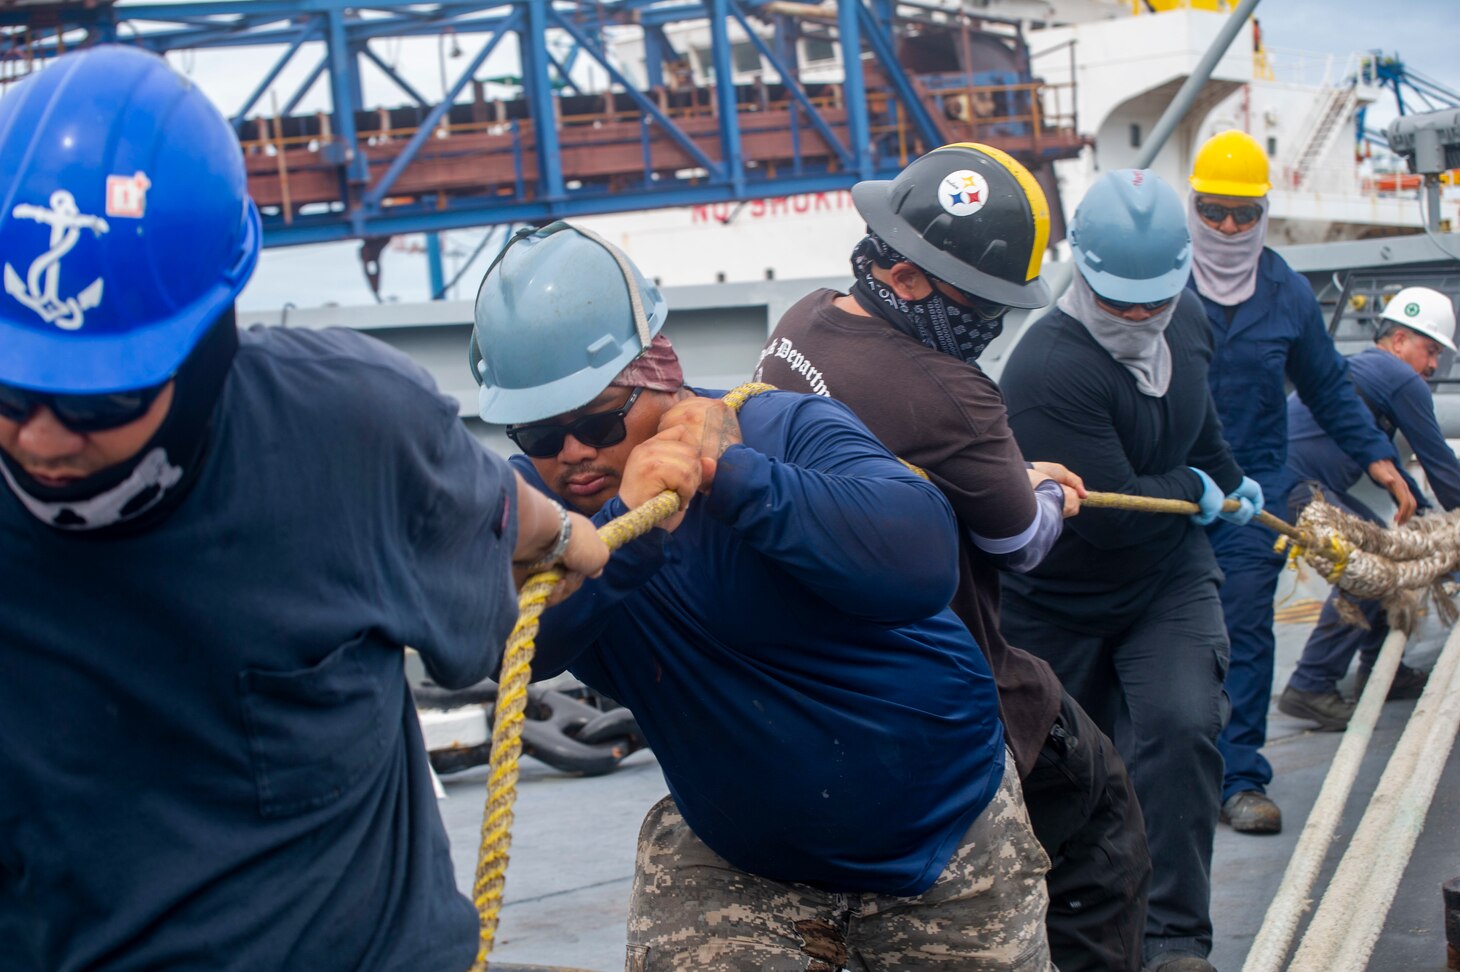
(331, 177)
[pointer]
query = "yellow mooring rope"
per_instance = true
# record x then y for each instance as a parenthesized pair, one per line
(511, 705)
(1301, 542)
(1150, 504)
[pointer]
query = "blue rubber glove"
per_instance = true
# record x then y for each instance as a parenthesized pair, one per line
(1249, 494)
(1211, 499)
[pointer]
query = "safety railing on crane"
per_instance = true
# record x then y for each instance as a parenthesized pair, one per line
(990, 113)
(961, 104)
(1028, 118)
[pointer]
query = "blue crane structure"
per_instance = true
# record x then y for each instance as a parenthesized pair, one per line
(660, 133)
(1389, 71)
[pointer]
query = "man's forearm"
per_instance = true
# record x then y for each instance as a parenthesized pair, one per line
(1024, 551)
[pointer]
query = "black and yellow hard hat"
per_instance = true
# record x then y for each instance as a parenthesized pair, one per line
(969, 214)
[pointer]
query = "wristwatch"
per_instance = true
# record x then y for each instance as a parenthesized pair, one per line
(565, 534)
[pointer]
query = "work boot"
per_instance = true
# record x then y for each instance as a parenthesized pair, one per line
(1329, 709)
(1408, 683)
(1251, 812)
(1180, 963)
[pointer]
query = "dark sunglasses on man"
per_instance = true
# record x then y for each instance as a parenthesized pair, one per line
(80, 413)
(597, 431)
(1244, 215)
(987, 310)
(1121, 306)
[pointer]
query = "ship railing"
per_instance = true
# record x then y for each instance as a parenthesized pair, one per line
(263, 142)
(1402, 183)
(1331, 176)
(1030, 109)
(1345, 178)
(1319, 69)
(1059, 90)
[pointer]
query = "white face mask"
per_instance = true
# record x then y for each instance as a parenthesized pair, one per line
(1139, 346)
(128, 499)
(1225, 267)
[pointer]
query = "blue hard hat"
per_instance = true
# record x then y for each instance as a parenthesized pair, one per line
(1130, 239)
(559, 314)
(125, 223)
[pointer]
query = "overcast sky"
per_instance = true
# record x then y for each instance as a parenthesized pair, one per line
(1424, 33)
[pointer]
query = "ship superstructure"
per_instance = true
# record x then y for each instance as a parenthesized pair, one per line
(1111, 68)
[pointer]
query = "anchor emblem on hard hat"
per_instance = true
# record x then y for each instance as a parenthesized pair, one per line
(39, 290)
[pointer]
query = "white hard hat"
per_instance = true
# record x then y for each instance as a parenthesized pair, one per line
(1426, 311)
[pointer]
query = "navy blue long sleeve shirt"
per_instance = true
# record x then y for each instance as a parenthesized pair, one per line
(820, 714)
(1278, 333)
(1400, 401)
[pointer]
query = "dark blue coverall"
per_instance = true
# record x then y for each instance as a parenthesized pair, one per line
(1278, 332)
(1400, 401)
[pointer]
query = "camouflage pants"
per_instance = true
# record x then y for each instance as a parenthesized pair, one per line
(692, 910)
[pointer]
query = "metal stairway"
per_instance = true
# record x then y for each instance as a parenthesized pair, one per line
(1320, 131)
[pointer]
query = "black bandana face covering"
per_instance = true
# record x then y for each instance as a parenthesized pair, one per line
(936, 321)
(136, 493)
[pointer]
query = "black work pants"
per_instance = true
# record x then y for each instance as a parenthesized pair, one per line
(1085, 813)
(1166, 669)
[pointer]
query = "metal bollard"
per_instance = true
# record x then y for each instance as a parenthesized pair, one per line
(1451, 889)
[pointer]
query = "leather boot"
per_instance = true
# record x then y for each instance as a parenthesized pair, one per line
(1251, 812)
(1329, 709)
(1408, 683)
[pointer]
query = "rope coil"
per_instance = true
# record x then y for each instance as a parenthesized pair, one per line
(1369, 561)
(1360, 558)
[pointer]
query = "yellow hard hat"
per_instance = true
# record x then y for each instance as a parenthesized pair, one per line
(1231, 163)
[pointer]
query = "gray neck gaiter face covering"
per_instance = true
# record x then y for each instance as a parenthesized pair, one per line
(1225, 267)
(1139, 346)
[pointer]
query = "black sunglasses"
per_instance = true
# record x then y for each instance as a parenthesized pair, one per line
(597, 431)
(1241, 215)
(80, 413)
(1121, 306)
(987, 310)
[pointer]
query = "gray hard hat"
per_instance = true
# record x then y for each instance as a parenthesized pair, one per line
(559, 314)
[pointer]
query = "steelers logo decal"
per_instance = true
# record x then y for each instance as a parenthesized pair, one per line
(963, 193)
